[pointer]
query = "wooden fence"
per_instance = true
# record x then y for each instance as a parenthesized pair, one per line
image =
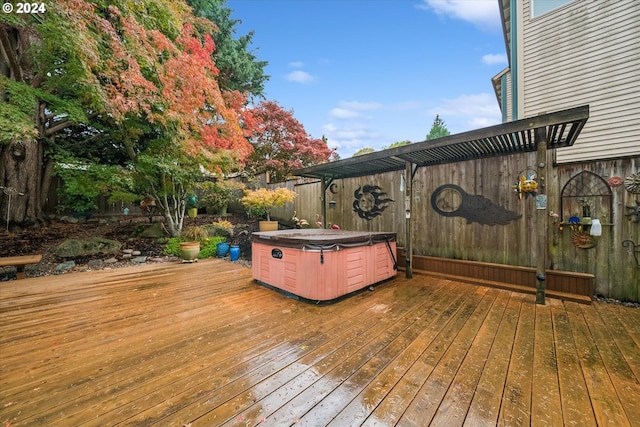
(487, 186)
(469, 211)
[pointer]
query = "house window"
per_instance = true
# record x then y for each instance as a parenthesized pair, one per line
(540, 7)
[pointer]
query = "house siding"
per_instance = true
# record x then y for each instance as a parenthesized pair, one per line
(586, 52)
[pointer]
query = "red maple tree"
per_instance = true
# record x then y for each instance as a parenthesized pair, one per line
(281, 144)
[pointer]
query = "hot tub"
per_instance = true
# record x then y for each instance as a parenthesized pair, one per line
(322, 265)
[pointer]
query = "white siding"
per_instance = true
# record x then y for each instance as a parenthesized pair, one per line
(586, 52)
(509, 89)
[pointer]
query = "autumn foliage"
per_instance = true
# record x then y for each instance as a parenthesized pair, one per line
(163, 72)
(134, 84)
(281, 144)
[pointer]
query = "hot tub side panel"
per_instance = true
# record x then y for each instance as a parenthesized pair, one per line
(298, 272)
(384, 265)
(322, 276)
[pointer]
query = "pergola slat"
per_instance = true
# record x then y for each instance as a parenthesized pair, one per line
(563, 128)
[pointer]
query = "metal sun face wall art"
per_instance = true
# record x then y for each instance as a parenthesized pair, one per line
(370, 201)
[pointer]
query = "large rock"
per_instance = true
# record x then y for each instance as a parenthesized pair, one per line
(72, 248)
(155, 230)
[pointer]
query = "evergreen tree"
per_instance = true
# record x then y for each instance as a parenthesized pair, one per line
(438, 129)
(239, 68)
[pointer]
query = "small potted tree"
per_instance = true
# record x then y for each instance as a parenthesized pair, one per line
(216, 195)
(265, 200)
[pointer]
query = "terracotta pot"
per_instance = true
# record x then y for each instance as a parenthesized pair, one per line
(189, 251)
(268, 225)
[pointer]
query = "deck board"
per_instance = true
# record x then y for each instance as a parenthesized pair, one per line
(515, 408)
(485, 405)
(545, 398)
(576, 407)
(203, 345)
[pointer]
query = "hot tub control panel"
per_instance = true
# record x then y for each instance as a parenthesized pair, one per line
(276, 253)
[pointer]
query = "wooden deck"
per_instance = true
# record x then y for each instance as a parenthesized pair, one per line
(203, 345)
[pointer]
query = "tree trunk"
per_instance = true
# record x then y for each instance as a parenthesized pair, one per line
(21, 159)
(20, 170)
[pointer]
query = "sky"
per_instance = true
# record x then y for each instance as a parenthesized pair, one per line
(368, 73)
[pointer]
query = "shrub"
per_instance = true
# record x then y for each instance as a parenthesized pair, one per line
(194, 233)
(208, 247)
(173, 246)
(267, 199)
(221, 228)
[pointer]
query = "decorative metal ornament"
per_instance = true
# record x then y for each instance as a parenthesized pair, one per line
(582, 240)
(632, 183)
(615, 181)
(526, 185)
(634, 211)
(370, 201)
(451, 200)
(634, 249)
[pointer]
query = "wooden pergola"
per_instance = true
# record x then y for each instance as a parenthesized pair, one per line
(548, 131)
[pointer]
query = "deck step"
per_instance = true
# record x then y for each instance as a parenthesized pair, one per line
(564, 296)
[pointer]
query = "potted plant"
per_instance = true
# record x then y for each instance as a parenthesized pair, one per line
(265, 200)
(192, 206)
(190, 246)
(217, 195)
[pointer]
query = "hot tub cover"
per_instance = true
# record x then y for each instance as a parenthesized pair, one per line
(321, 239)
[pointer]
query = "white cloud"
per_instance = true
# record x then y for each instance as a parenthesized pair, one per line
(495, 58)
(468, 112)
(482, 13)
(360, 106)
(296, 64)
(353, 109)
(299, 76)
(343, 113)
(407, 105)
(351, 138)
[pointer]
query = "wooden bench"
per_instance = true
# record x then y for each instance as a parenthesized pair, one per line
(19, 262)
